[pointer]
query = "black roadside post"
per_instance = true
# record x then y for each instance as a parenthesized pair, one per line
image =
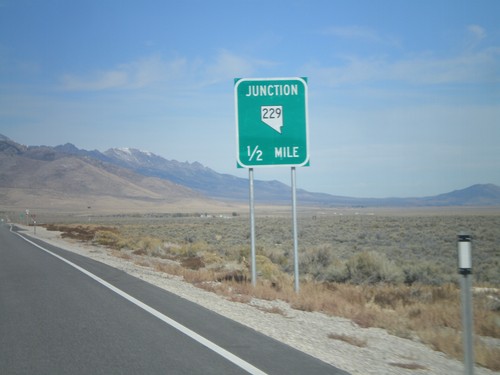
(465, 269)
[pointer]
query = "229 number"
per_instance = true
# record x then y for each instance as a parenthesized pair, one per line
(271, 112)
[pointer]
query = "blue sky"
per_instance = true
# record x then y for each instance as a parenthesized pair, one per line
(404, 96)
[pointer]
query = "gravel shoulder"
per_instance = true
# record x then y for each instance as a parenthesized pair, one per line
(305, 331)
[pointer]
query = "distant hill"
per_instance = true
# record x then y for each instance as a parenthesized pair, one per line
(225, 186)
(128, 173)
(475, 195)
(45, 176)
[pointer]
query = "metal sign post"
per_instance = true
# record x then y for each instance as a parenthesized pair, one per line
(252, 228)
(295, 240)
(465, 269)
(272, 130)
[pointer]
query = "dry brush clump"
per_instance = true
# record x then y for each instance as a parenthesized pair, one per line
(352, 340)
(79, 232)
(370, 267)
(408, 366)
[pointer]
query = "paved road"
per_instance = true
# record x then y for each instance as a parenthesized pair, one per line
(56, 319)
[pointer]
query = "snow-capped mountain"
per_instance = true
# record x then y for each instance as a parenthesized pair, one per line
(208, 182)
(132, 156)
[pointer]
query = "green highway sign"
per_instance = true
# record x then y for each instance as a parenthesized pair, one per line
(271, 122)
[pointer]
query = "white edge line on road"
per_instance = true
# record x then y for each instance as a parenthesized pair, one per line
(209, 344)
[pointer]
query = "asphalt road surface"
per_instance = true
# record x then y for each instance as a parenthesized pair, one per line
(61, 313)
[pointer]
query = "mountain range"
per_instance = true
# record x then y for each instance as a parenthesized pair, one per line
(66, 173)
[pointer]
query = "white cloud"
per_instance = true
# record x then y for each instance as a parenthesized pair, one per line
(473, 67)
(138, 74)
(100, 81)
(149, 71)
(475, 34)
(478, 67)
(228, 66)
(352, 32)
(477, 31)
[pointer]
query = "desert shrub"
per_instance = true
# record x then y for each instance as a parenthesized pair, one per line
(487, 272)
(213, 259)
(321, 263)
(235, 275)
(336, 272)
(425, 273)
(239, 253)
(267, 269)
(148, 246)
(189, 249)
(108, 238)
(280, 256)
(391, 296)
(193, 263)
(369, 267)
(315, 260)
(80, 233)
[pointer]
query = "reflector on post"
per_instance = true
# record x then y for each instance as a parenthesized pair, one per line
(464, 253)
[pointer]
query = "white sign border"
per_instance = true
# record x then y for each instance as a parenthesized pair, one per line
(306, 98)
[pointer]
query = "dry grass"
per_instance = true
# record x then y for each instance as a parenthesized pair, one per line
(349, 339)
(408, 366)
(272, 310)
(487, 356)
